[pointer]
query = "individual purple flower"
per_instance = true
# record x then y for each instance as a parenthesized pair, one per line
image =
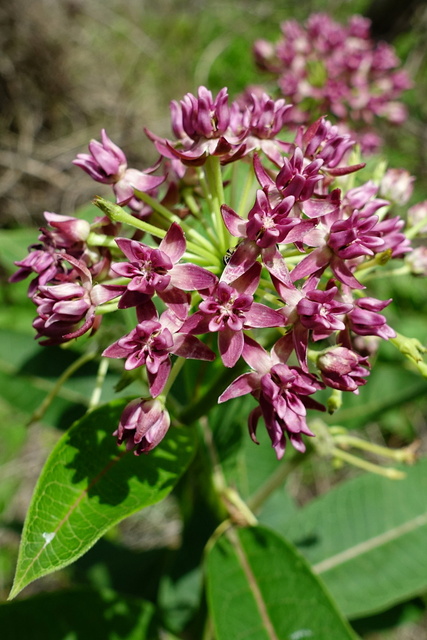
(417, 215)
(343, 369)
(417, 261)
(282, 392)
(261, 119)
(67, 310)
(365, 319)
(152, 342)
(45, 262)
(295, 178)
(64, 234)
(143, 425)
(339, 243)
(228, 310)
(394, 240)
(265, 227)
(311, 312)
(202, 127)
(107, 164)
(324, 141)
(157, 271)
(397, 185)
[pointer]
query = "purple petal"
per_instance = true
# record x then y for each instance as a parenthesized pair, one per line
(173, 244)
(197, 323)
(248, 281)
(259, 315)
(191, 277)
(158, 380)
(255, 356)
(276, 265)
(246, 383)
(317, 259)
(343, 273)
(283, 348)
(253, 419)
(241, 261)
(146, 312)
(230, 344)
(104, 292)
(234, 223)
(178, 301)
(188, 346)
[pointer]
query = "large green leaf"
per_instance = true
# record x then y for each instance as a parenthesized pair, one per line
(87, 485)
(260, 588)
(81, 614)
(367, 540)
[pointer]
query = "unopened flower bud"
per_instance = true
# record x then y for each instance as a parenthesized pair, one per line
(143, 425)
(343, 369)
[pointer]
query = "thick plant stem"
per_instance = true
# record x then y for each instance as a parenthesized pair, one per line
(192, 234)
(117, 214)
(216, 188)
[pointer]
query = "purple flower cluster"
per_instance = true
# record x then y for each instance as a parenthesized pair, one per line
(290, 260)
(325, 67)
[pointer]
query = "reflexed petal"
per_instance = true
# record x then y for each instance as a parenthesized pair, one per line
(177, 301)
(188, 346)
(246, 383)
(157, 381)
(259, 315)
(234, 223)
(255, 356)
(243, 258)
(173, 244)
(248, 282)
(230, 345)
(191, 277)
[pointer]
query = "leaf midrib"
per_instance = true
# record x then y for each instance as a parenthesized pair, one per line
(370, 544)
(16, 587)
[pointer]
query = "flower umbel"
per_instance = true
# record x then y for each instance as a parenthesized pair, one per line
(269, 275)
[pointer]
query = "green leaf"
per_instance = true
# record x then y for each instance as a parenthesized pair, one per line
(87, 485)
(81, 614)
(260, 588)
(366, 539)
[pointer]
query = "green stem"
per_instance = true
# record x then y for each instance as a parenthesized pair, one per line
(44, 406)
(216, 188)
(171, 217)
(212, 231)
(178, 364)
(247, 192)
(388, 472)
(412, 232)
(117, 214)
(405, 454)
(96, 393)
(101, 240)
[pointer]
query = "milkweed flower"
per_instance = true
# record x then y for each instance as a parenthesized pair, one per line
(143, 425)
(343, 369)
(282, 392)
(218, 271)
(106, 163)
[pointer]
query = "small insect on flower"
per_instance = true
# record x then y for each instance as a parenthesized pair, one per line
(229, 254)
